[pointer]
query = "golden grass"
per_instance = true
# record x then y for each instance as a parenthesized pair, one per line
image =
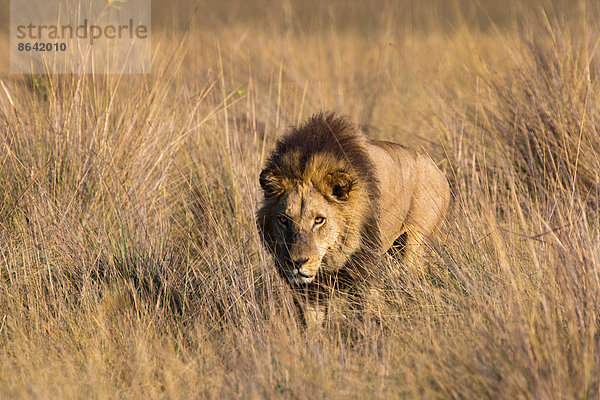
(130, 264)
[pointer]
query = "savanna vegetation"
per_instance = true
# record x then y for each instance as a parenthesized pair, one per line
(130, 263)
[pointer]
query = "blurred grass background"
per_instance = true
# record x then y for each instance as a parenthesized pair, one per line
(130, 264)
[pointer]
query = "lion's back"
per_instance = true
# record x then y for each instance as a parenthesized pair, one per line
(413, 190)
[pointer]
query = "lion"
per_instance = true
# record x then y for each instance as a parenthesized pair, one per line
(334, 201)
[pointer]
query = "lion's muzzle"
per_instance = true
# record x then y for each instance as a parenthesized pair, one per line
(300, 271)
(302, 261)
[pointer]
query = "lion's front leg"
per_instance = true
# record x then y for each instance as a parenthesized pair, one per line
(314, 316)
(311, 311)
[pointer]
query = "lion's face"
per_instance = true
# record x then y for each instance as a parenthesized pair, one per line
(304, 227)
(303, 219)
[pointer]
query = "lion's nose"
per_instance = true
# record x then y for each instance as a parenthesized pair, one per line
(300, 262)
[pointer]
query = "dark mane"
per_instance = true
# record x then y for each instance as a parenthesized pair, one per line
(335, 137)
(328, 133)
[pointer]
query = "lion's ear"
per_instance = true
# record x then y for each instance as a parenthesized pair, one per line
(270, 183)
(340, 184)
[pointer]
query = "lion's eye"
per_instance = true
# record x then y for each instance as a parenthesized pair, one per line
(282, 219)
(319, 220)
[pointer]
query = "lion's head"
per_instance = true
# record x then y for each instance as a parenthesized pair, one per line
(319, 198)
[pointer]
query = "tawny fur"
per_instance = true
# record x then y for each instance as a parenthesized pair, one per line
(370, 192)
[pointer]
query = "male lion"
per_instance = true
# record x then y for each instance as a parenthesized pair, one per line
(334, 201)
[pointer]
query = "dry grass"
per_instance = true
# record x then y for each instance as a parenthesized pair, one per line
(130, 264)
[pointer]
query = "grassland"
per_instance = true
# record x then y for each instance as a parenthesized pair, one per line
(130, 264)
